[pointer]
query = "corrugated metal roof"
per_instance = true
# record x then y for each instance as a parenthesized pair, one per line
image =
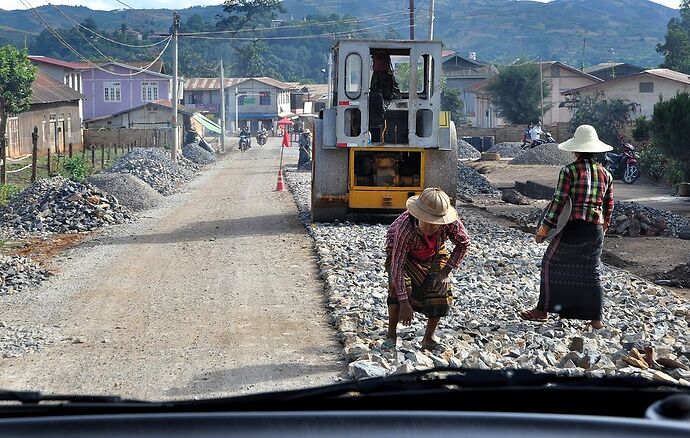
(275, 83)
(214, 83)
(602, 66)
(663, 73)
(669, 74)
(53, 61)
(197, 84)
(157, 66)
(47, 90)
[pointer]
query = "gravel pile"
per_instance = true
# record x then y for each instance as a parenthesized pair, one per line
(510, 149)
(544, 154)
(499, 276)
(197, 154)
(19, 273)
(17, 341)
(472, 183)
(154, 166)
(467, 152)
(59, 205)
(132, 192)
(625, 211)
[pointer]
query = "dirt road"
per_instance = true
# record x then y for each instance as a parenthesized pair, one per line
(215, 293)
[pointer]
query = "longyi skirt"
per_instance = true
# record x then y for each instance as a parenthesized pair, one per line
(571, 273)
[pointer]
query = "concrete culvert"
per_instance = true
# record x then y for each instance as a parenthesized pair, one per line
(131, 191)
(197, 154)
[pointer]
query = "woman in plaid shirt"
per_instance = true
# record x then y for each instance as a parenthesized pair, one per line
(571, 268)
(418, 264)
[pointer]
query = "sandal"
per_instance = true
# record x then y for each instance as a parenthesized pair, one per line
(532, 315)
(433, 347)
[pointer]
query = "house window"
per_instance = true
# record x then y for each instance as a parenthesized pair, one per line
(555, 71)
(265, 98)
(112, 92)
(149, 91)
(646, 87)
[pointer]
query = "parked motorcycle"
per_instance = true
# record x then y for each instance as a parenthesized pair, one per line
(546, 137)
(262, 138)
(245, 143)
(623, 166)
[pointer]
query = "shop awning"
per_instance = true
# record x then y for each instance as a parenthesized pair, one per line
(207, 123)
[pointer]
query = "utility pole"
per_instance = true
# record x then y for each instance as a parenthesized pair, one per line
(431, 20)
(222, 106)
(237, 116)
(330, 83)
(541, 89)
(584, 48)
(412, 19)
(175, 92)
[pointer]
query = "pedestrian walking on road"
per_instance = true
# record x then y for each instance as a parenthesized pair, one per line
(571, 268)
(419, 265)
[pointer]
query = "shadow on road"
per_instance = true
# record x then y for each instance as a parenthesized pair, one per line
(270, 225)
(244, 377)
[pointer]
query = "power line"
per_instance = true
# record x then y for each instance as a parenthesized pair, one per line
(297, 26)
(62, 41)
(90, 43)
(100, 35)
(296, 36)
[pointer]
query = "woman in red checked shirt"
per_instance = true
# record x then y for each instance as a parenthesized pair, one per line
(571, 268)
(418, 264)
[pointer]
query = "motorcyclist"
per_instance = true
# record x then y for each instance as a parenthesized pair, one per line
(526, 137)
(245, 134)
(262, 133)
(535, 133)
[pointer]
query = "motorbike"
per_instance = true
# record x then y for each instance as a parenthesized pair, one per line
(261, 138)
(623, 166)
(245, 143)
(544, 138)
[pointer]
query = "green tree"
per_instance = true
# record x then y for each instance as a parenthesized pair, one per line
(676, 45)
(249, 13)
(451, 100)
(16, 75)
(671, 129)
(249, 61)
(516, 94)
(195, 23)
(608, 116)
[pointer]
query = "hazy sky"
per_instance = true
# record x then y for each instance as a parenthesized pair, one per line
(113, 4)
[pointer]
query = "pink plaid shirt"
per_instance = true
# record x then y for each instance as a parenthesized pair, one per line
(404, 236)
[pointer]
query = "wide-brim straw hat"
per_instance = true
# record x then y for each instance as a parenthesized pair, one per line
(585, 140)
(432, 206)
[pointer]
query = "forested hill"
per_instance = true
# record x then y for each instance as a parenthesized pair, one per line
(572, 31)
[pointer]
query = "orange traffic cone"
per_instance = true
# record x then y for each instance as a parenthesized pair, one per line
(280, 187)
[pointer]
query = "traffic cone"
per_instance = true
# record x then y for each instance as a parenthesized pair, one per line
(280, 187)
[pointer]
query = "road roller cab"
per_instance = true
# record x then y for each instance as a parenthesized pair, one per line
(383, 137)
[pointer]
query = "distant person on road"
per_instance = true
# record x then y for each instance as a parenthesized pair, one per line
(304, 149)
(526, 137)
(535, 132)
(419, 265)
(571, 268)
